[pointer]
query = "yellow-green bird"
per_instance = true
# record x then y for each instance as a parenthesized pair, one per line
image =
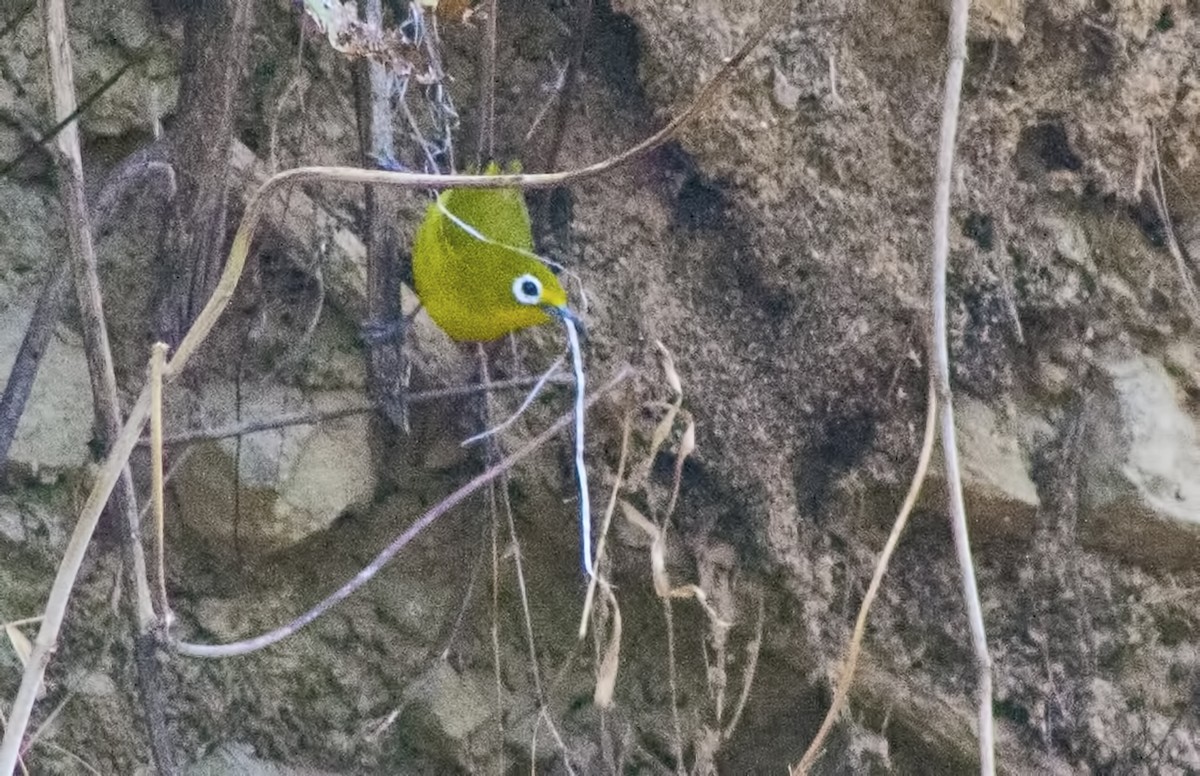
(477, 275)
(475, 269)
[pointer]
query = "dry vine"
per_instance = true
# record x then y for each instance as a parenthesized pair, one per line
(122, 445)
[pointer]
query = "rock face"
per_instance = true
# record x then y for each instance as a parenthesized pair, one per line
(293, 482)
(53, 435)
(1139, 498)
(1002, 499)
(778, 247)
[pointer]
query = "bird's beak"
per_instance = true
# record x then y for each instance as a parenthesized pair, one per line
(564, 314)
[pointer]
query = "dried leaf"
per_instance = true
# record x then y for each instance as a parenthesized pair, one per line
(349, 35)
(638, 519)
(663, 429)
(695, 591)
(658, 548)
(687, 444)
(668, 365)
(21, 644)
(658, 565)
(455, 11)
(606, 676)
(661, 432)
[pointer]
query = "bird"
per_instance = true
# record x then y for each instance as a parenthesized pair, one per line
(476, 274)
(475, 270)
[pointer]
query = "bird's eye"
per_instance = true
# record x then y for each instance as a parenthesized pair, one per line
(527, 289)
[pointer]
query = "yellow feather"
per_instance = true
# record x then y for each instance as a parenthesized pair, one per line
(471, 247)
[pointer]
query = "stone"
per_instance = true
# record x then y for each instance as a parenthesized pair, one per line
(295, 481)
(1139, 497)
(1000, 496)
(56, 425)
(443, 709)
(236, 759)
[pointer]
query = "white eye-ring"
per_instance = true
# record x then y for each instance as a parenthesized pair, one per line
(527, 289)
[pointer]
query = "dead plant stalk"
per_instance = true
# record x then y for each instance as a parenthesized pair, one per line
(952, 98)
(842, 692)
(122, 446)
(104, 390)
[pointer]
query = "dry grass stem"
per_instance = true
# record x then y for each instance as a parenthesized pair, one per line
(601, 545)
(445, 505)
(491, 454)
(842, 691)
(673, 684)
(512, 418)
(100, 367)
(610, 663)
(158, 356)
(957, 47)
(123, 443)
(494, 521)
(753, 650)
(1159, 196)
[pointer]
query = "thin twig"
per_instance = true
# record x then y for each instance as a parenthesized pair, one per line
(386, 363)
(494, 520)
(523, 589)
(313, 418)
(601, 545)
(46, 313)
(104, 396)
(544, 716)
(673, 682)
(490, 456)
(563, 671)
(528, 400)
(570, 78)
(1159, 196)
(51, 301)
(73, 757)
(486, 146)
(69, 119)
(373, 568)
(555, 92)
(158, 359)
(957, 46)
(466, 602)
(114, 464)
(753, 650)
(842, 692)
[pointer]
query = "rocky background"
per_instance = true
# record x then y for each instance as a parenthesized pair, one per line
(779, 249)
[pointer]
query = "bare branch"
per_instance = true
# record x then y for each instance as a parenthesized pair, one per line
(957, 45)
(105, 401)
(419, 525)
(386, 364)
